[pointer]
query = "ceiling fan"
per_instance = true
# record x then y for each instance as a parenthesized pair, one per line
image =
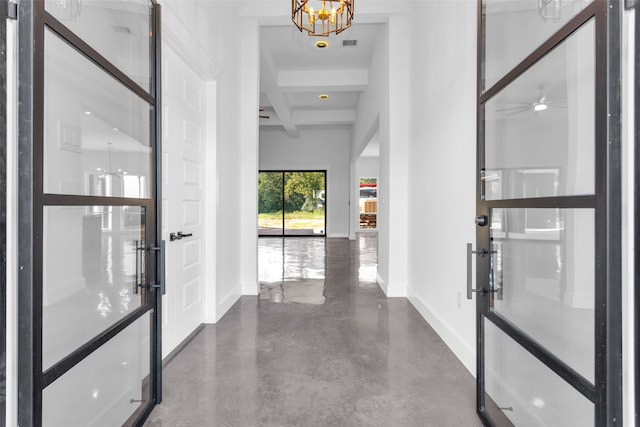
(262, 116)
(542, 103)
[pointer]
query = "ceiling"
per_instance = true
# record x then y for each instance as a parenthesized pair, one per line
(293, 73)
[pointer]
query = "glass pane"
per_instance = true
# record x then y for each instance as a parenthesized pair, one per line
(118, 30)
(368, 204)
(270, 203)
(107, 387)
(515, 28)
(91, 267)
(540, 130)
(544, 283)
(525, 391)
(97, 133)
(304, 201)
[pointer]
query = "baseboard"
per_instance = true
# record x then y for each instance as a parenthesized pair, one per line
(250, 288)
(396, 291)
(582, 300)
(225, 305)
(338, 235)
(173, 353)
(381, 283)
(52, 294)
(463, 352)
(391, 291)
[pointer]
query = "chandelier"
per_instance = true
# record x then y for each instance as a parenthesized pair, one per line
(67, 10)
(550, 10)
(333, 16)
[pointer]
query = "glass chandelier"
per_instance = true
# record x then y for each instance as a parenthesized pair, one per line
(329, 16)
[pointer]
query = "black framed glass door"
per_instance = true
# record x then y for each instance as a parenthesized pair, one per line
(91, 311)
(292, 203)
(548, 213)
(634, 7)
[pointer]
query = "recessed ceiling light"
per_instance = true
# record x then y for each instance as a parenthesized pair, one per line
(324, 97)
(88, 113)
(321, 44)
(540, 106)
(115, 129)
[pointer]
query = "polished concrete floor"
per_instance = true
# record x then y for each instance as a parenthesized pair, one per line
(354, 359)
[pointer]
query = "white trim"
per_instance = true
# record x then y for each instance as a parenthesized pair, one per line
(628, 217)
(396, 291)
(391, 291)
(463, 352)
(178, 36)
(338, 235)
(225, 305)
(381, 283)
(210, 201)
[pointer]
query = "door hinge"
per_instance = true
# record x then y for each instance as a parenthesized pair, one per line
(12, 10)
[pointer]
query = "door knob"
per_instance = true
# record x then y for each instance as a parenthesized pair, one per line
(482, 220)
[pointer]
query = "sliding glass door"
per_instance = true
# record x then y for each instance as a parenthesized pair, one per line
(291, 203)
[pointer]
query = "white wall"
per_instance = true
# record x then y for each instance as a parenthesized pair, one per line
(442, 152)
(228, 167)
(384, 108)
(314, 150)
(249, 100)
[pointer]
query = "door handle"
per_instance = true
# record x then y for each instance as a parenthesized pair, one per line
(139, 266)
(160, 283)
(178, 236)
(482, 253)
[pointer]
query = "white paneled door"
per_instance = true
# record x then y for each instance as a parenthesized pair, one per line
(182, 198)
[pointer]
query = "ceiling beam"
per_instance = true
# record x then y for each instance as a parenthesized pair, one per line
(326, 80)
(324, 117)
(277, 98)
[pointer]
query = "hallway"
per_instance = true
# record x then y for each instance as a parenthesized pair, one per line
(356, 359)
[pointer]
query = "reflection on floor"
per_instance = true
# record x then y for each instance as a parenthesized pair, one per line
(303, 292)
(292, 270)
(359, 359)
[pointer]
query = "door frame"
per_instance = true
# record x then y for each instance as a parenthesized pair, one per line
(635, 5)
(4, 15)
(283, 172)
(606, 393)
(33, 19)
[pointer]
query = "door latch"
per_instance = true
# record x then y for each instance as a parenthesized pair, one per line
(482, 253)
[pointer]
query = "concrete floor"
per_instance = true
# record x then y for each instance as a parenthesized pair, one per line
(357, 359)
